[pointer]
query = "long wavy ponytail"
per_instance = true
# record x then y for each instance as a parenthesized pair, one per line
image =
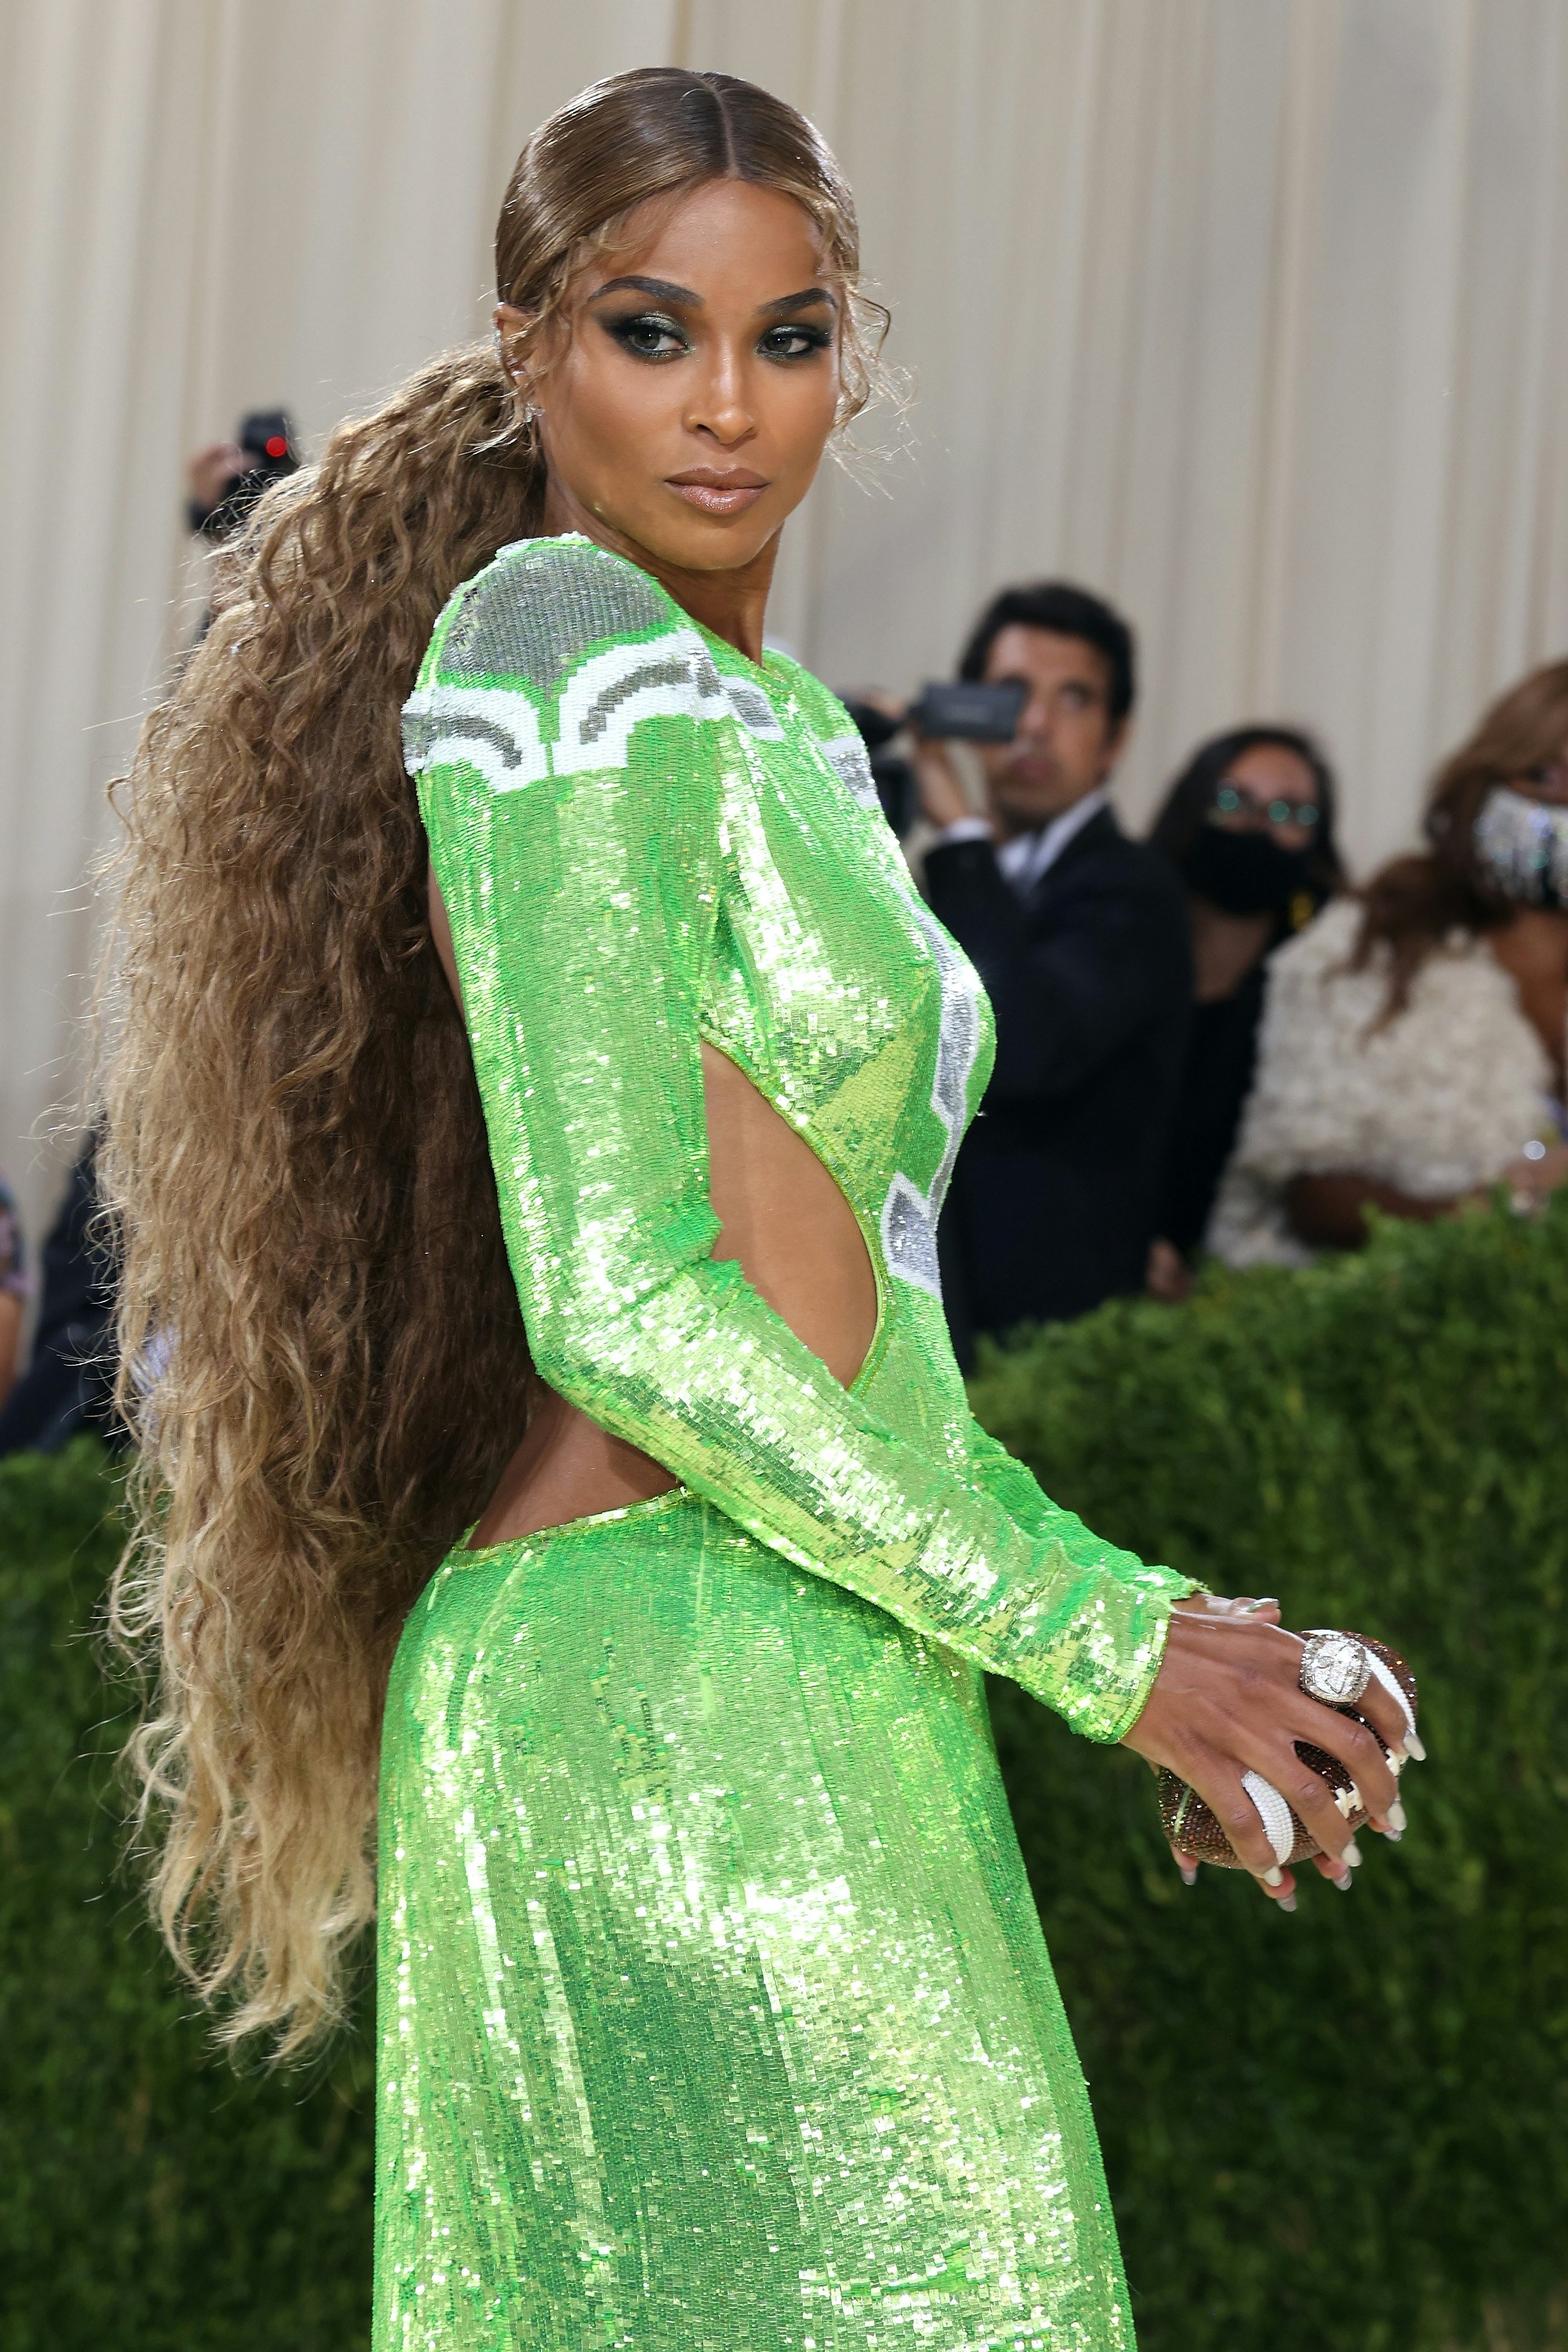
(322, 1358)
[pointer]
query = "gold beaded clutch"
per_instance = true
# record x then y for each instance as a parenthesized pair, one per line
(1191, 1828)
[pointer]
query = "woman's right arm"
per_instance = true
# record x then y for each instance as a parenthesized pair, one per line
(584, 873)
(1329, 1211)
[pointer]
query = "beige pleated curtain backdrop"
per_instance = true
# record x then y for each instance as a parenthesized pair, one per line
(1247, 312)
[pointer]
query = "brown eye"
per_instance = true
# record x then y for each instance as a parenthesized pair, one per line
(794, 342)
(648, 335)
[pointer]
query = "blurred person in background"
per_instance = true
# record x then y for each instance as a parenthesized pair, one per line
(1249, 826)
(13, 1289)
(1080, 937)
(1412, 1048)
(225, 481)
(68, 1384)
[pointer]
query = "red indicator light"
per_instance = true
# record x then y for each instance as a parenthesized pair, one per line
(276, 446)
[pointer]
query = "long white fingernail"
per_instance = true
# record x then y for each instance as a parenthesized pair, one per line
(1345, 1880)
(1286, 1902)
(1189, 1873)
(1275, 1877)
(1414, 1747)
(1352, 1853)
(1396, 1820)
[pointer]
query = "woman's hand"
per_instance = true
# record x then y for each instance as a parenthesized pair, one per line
(1167, 1275)
(210, 471)
(1532, 1180)
(943, 797)
(1227, 1699)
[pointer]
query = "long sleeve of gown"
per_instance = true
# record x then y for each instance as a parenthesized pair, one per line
(568, 735)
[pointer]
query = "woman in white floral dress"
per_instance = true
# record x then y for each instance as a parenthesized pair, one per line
(1412, 1050)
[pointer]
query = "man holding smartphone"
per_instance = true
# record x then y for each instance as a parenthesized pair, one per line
(1080, 937)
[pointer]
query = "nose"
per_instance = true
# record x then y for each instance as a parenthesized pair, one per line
(1037, 717)
(721, 406)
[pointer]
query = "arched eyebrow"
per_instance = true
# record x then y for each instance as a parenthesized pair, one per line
(663, 290)
(660, 287)
(808, 298)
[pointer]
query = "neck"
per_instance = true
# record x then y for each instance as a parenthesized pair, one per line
(1225, 948)
(1010, 824)
(731, 603)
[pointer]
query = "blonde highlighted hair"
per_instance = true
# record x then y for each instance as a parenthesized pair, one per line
(321, 1357)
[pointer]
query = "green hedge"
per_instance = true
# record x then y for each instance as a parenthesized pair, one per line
(1345, 2130)
(1342, 2132)
(151, 2199)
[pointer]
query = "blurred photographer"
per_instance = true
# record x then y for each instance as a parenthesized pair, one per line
(1080, 937)
(68, 1385)
(225, 480)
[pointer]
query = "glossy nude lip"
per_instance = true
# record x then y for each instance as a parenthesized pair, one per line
(717, 493)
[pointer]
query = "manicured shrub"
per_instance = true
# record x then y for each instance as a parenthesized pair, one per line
(1342, 2132)
(1345, 2130)
(152, 2199)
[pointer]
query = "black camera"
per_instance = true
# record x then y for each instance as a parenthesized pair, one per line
(966, 710)
(970, 711)
(267, 437)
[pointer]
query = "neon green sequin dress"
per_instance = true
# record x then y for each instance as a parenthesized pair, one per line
(715, 2015)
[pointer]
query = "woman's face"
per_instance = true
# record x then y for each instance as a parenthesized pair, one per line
(686, 393)
(1270, 790)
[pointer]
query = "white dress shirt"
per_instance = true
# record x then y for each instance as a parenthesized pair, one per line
(1028, 854)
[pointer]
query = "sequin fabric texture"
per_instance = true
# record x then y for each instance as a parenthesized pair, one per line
(714, 2009)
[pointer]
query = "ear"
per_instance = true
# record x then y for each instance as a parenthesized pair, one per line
(1116, 743)
(512, 327)
(511, 323)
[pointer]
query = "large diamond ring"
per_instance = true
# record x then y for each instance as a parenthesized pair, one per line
(1335, 1668)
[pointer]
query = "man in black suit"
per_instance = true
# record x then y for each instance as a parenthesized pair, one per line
(1080, 937)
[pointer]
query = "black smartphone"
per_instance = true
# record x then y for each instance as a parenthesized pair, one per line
(975, 712)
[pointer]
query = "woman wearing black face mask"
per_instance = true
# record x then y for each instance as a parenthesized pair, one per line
(1249, 821)
(1413, 1044)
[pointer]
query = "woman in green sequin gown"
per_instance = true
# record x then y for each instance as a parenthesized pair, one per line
(714, 2009)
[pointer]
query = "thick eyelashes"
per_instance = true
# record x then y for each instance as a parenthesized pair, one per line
(647, 335)
(652, 335)
(808, 339)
